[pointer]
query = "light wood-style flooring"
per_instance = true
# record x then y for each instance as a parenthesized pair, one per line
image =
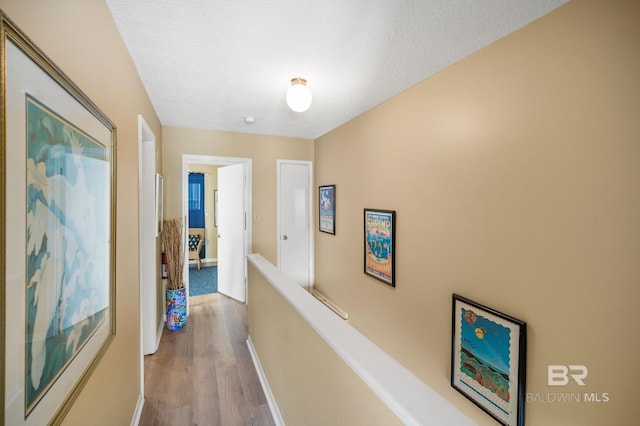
(203, 373)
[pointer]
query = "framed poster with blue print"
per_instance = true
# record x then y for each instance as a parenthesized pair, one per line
(327, 208)
(380, 245)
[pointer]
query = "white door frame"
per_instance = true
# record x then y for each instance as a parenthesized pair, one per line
(213, 160)
(149, 337)
(310, 228)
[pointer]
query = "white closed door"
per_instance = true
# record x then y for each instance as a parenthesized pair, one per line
(231, 232)
(294, 220)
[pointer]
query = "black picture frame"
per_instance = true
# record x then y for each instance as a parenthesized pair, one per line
(380, 245)
(488, 359)
(327, 209)
(159, 203)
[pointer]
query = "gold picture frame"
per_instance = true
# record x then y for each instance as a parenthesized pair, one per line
(57, 251)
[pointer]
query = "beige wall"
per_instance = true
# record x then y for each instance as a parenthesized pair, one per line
(211, 184)
(263, 150)
(515, 175)
(81, 38)
(310, 382)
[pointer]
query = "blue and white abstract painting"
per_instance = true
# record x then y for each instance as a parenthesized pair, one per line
(68, 237)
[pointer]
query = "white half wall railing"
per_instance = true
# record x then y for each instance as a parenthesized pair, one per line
(410, 399)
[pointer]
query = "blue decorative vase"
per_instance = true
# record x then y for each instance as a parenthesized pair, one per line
(176, 309)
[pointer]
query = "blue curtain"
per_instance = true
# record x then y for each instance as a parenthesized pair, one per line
(196, 203)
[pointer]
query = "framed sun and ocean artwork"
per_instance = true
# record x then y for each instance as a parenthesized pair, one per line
(58, 247)
(380, 244)
(327, 208)
(488, 360)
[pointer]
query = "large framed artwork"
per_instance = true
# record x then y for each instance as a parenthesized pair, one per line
(327, 209)
(488, 360)
(380, 245)
(58, 247)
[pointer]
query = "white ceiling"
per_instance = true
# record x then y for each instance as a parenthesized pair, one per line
(207, 64)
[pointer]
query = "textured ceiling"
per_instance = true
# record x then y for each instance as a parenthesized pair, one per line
(207, 64)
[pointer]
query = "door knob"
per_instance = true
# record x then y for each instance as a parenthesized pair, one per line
(284, 237)
(218, 235)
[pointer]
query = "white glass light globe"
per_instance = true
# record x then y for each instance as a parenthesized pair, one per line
(298, 96)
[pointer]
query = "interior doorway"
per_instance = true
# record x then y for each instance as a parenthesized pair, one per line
(148, 278)
(149, 300)
(245, 186)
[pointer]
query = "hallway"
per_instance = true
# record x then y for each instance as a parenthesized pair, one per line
(203, 374)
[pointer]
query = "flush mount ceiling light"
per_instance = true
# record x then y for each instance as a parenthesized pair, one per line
(299, 95)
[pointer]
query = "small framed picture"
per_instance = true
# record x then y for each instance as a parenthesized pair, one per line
(327, 209)
(159, 203)
(215, 208)
(488, 360)
(380, 244)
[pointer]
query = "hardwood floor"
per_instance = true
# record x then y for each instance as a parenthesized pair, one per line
(203, 373)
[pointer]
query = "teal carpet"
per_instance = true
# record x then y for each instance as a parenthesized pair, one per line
(204, 281)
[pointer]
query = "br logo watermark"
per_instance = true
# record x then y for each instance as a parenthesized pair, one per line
(567, 375)
(558, 375)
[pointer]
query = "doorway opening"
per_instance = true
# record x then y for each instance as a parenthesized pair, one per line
(239, 258)
(150, 328)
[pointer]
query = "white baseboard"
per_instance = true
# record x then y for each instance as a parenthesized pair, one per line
(159, 333)
(138, 413)
(273, 406)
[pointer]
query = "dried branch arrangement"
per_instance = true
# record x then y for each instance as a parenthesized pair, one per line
(173, 247)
